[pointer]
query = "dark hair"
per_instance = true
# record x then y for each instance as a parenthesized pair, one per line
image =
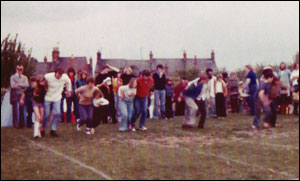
(90, 80)
(268, 73)
(296, 63)
(225, 75)
(84, 73)
(159, 66)
(59, 71)
(282, 63)
(208, 70)
(71, 70)
(97, 91)
(146, 73)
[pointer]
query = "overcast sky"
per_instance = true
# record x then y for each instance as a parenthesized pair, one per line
(239, 32)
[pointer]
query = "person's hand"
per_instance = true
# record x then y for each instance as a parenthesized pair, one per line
(22, 102)
(179, 99)
(68, 94)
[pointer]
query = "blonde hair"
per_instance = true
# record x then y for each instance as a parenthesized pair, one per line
(128, 69)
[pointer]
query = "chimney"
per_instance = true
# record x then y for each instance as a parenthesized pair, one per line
(55, 54)
(72, 61)
(166, 69)
(91, 61)
(45, 59)
(195, 61)
(151, 57)
(184, 56)
(213, 55)
(98, 56)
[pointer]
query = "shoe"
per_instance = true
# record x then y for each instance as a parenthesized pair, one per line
(254, 127)
(186, 126)
(43, 133)
(92, 131)
(267, 125)
(88, 131)
(78, 127)
(36, 137)
(143, 128)
(133, 130)
(54, 134)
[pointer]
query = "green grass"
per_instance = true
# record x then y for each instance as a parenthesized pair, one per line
(226, 149)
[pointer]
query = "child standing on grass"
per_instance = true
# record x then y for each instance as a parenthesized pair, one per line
(221, 93)
(85, 95)
(262, 100)
(169, 99)
(38, 105)
(100, 110)
(127, 94)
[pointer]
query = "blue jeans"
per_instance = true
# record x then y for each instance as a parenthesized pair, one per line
(251, 103)
(126, 108)
(86, 115)
(140, 106)
(159, 100)
(212, 111)
(62, 106)
(257, 117)
(117, 102)
(73, 100)
(56, 114)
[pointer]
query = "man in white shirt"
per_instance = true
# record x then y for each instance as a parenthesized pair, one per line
(211, 89)
(56, 82)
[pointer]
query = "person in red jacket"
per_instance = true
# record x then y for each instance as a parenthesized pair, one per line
(145, 83)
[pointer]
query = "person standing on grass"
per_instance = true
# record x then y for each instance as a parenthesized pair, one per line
(103, 82)
(252, 82)
(159, 93)
(262, 100)
(144, 84)
(38, 105)
(100, 110)
(191, 92)
(28, 108)
(72, 99)
(211, 87)
(284, 75)
(127, 94)
(233, 89)
(56, 82)
(221, 93)
(202, 101)
(169, 99)
(85, 95)
(18, 84)
(179, 98)
(295, 83)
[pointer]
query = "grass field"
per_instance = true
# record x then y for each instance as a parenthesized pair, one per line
(226, 149)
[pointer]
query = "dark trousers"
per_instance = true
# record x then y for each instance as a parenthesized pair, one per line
(273, 117)
(73, 100)
(169, 107)
(99, 116)
(112, 108)
(234, 101)
(62, 106)
(180, 106)
(29, 111)
(18, 115)
(251, 103)
(220, 105)
(202, 110)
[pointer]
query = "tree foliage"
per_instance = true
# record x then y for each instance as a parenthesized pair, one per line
(13, 53)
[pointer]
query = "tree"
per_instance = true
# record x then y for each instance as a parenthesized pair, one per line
(13, 53)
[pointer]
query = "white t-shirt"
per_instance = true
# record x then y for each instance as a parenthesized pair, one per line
(219, 87)
(100, 102)
(211, 84)
(295, 73)
(56, 86)
(128, 92)
(204, 95)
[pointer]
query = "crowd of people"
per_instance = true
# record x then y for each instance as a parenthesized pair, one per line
(116, 96)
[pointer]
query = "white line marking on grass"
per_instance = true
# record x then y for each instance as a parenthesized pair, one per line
(272, 145)
(69, 158)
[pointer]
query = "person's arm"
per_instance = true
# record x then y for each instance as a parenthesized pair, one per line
(113, 68)
(264, 99)
(25, 83)
(79, 91)
(22, 100)
(13, 83)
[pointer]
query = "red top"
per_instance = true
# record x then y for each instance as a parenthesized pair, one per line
(178, 90)
(144, 87)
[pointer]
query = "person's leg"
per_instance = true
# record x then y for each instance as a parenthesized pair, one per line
(202, 108)
(15, 112)
(83, 114)
(62, 102)
(112, 108)
(130, 108)
(218, 106)
(137, 111)
(90, 111)
(76, 104)
(191, 112)
(223, 103)
(124, 112)
(156, 105)
(47, 106)
(29, 108)
(36, 130)
(186, 112)
(168, 107)
(69, 109)
(162, 95)
(56, 115)
(143, 104)
(257, 116)
(274, 114)
(213, 106)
